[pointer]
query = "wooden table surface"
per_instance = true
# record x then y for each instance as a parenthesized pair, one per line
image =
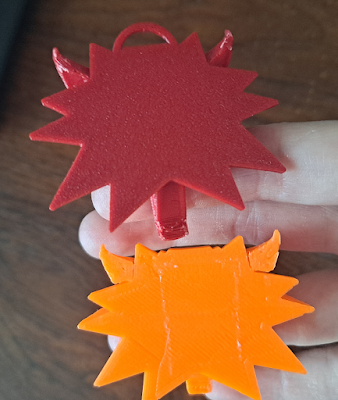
(45, 275)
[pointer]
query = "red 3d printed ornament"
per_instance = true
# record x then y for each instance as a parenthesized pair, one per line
(153, 119)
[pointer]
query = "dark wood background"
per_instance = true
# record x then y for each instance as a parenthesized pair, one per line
(45, 275)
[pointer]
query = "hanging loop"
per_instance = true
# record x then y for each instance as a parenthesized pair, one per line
(143, 27)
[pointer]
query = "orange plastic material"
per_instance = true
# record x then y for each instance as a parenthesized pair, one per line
(264, 256)
(194, 315)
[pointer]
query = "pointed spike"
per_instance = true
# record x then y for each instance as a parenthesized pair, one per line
(102, 296)
(192, 46)
(264, 257)
(227, 190)
(236, 243)
(55, 132)
(286, 309)
(122, 206)
(238, 375)
(281, 285)
(276, 354)
(253, 104)
(95, 322)
(75, 184)
(119, 269)
(290, 298)
(112, 298)
(259, 158)
(56, 102)
(168, 381)
(144, 258)
(71, 73)
(220, 55)
(143, 251)
(119, 366)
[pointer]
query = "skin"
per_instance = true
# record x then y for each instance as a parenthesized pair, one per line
(302, 205)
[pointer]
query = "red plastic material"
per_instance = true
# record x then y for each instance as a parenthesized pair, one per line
(142, 27)
(170, 212)
(71, 73)
(150, 115)
(220, 55)
(194, 315)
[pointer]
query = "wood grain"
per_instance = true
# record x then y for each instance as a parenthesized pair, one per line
(45, 275)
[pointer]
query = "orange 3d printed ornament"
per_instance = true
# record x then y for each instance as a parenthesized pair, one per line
(194, 315)
(153, 119)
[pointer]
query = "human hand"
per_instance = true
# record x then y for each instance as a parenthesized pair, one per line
(301, 204)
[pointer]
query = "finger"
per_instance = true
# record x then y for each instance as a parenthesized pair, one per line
(320, 290)
(308, 151)
(320, 382)
(303, 228)
(113, 341)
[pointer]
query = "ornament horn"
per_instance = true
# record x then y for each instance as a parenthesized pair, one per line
(71, 73)
(220, 55)
(264, 257)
